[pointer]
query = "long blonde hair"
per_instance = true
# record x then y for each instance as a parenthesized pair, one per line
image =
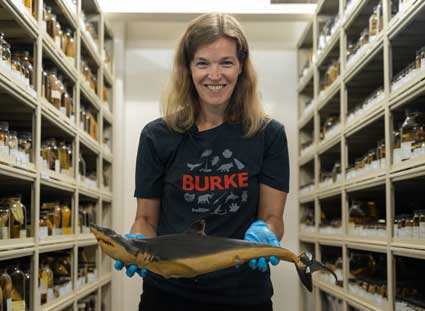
(180, 106)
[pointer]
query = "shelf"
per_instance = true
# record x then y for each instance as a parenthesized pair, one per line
(307, 158)
(368, 116)
(329, 93)
(365, 246)
(89, 142)
(368, 241)
(329, 142)
(406, 246)
(91, 47)
(16, 247)
(408, 164)
(349, 16)
(364, 303)
(329, 192)
(16, 172)
(18, 13)
(57, 116)
(59, 58)
(327, 7)
(88, 192)
(369, 107)
(307, 78)
(306, 40)
(361, 57)
(329, 288)
(365, 181)
(402, 19)
(108, 75)
(329, 48)
(107, 115)
(90, 94)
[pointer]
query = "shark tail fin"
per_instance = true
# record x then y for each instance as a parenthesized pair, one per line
(310, 265)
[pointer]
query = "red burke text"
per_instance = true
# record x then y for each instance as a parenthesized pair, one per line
(206, 183)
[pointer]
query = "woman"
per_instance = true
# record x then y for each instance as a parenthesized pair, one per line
(214, 155)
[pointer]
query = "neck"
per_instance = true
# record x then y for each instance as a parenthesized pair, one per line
(210, 117)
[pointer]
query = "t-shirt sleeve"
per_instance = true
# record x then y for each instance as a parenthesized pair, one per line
(275, 169)
(149, 168)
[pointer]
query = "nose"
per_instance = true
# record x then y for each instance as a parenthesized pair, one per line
(214, 73)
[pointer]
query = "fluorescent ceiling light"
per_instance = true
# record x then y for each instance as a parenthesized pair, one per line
(204, 6)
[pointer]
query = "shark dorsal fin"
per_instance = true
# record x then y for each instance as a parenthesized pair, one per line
(198, 227)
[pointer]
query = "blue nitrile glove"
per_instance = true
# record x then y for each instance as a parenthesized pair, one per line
(259, 232)
(131, 269)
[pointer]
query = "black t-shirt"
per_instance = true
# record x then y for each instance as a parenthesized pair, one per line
(212, 175)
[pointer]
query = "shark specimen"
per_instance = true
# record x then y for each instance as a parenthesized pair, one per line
(193, 253)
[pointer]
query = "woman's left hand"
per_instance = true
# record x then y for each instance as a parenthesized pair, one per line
(260, 232)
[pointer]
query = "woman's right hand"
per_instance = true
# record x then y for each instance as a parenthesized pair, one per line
(131, 269)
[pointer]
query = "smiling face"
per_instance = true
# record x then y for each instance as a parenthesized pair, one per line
(215, 69)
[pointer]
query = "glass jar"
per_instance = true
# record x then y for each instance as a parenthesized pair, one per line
(66, 219)
(6, 288)
(380, 11)
(57, 33)
(70, 48)
(408, 132)
(373, 23)
(55, 92)
(416, 225)
(18, 217)
(1, 299)
(7, 54)
(18, 290)
(2, 44)
(27, 63)
(401, 226)
(422, 224)
(43, 224)
(63, 156)
(82, 167)
(70, 164)
(48, 211)
(4, 134)
(66, 102)
(4, 221)
(16, 64)
(45, 86)
(61, 92)
(105, 95)
(51, 23)
(408, 229)
(27, 278)
(364, 37)
(82, 117)
(46, 283)
(58, 229)
(12, 142)
(53, 155)
(25, 144)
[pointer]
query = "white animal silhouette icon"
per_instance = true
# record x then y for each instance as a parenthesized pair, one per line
(205, 198)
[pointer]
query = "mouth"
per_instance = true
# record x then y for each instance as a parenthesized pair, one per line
(106, 242)
(215, 88)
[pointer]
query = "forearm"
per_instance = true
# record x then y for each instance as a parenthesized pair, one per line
(142, 225)
(275, 224)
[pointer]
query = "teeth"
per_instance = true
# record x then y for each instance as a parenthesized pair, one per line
(215, 87)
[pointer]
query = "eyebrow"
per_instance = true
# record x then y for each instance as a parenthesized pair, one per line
(223, 58)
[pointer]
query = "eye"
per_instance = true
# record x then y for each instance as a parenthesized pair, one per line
(201, 64)
(227, 63)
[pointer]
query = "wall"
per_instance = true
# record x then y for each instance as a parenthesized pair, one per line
(147, 58)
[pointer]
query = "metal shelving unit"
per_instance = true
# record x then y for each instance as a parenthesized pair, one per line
(374, 67)
(19, 103)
